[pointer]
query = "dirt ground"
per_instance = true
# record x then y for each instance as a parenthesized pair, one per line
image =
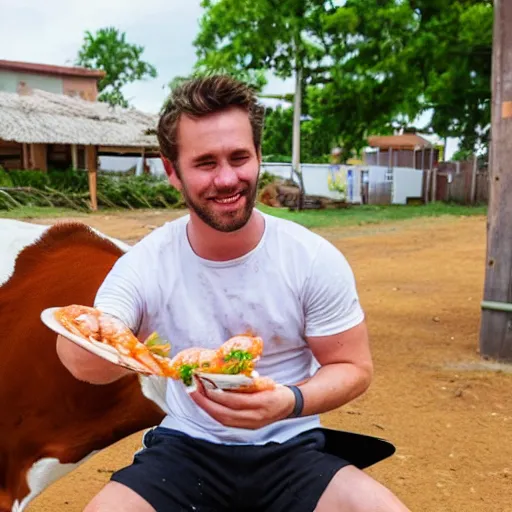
(448, 413)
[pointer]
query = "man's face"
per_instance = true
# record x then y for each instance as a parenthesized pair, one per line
(218, 168)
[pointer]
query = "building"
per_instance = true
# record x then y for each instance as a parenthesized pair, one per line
(42, 130)
(71, 81)
(406, 150)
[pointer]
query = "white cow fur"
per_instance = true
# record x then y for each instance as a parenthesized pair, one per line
(14, 236)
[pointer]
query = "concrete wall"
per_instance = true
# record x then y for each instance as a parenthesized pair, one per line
(9, 81)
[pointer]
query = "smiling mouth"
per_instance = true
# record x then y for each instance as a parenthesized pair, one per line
(229, 199)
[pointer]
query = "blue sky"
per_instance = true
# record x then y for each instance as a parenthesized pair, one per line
(51, 32)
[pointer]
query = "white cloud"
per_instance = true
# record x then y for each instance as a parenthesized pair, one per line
(51, 32)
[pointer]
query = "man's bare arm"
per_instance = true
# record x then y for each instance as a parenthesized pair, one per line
(346, 371)
(86, 366)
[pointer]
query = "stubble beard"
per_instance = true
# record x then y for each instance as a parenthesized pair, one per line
(230, 221)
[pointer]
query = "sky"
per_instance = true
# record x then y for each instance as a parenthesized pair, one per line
(51, 32)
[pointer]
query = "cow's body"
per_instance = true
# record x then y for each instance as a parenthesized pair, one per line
(49, 421)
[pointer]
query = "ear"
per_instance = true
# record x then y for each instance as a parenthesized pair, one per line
(172, 175)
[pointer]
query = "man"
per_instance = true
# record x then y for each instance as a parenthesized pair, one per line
(223, 270)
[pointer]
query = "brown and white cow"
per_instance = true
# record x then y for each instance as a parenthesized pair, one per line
(51, 422)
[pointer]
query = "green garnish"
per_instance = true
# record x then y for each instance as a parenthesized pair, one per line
(238, 361)
(186, 373)
(157, 345)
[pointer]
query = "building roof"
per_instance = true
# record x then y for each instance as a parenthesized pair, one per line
(42, 117)
(406, 141)
(47, 69)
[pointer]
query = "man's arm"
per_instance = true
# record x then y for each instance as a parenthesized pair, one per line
(84, 365)
(346, 370)
(120, 296)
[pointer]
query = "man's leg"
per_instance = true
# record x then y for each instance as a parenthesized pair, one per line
(352, 490)
(116, 497)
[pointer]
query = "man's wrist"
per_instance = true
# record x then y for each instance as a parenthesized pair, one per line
(299, 402)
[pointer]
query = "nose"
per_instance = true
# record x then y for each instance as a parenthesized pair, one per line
(226, 177)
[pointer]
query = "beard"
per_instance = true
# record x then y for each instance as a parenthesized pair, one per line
(225, 222)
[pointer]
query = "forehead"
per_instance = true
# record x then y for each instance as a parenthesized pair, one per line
(227, 130)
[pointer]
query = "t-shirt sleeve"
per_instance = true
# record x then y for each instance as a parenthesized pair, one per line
(331, 300)
(121, 293)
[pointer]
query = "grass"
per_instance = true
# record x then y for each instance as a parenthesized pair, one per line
(372, 214)
(356, 215)
(34, 212)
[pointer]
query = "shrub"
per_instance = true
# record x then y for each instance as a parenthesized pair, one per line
(71, 189)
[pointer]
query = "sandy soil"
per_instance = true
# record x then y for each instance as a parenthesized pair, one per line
(448, 413)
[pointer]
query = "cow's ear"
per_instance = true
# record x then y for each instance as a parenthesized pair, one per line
(172, 175)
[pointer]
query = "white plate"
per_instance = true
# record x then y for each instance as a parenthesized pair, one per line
(95, 347)
(224, 381)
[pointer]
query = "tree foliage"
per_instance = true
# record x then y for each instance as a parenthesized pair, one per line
(277, 138)
(369, 66)
(109, 51)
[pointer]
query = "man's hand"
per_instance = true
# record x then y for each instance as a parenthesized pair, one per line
(246, 410)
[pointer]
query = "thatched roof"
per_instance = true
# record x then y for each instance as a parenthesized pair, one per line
(41, 117)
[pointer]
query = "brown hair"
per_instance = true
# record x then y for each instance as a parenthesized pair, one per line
(202, 96)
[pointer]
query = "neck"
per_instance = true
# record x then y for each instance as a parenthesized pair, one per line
(210, 244)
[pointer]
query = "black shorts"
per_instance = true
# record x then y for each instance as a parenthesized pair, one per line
(175, 472)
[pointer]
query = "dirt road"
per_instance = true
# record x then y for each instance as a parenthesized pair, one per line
(449, 414)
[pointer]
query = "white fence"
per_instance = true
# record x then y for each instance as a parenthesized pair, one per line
(362, 183)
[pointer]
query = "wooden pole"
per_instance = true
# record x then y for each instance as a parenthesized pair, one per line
(496, 320)
(434, 184)
(92, 171)
(26, 157)
(74, 156)
(472, 198)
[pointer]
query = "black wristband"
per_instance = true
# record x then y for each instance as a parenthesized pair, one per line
(299, 402)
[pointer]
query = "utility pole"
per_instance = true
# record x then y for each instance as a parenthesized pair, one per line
(496, 320)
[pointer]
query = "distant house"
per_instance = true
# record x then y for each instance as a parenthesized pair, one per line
(71, 81)
(41, 130)
(407, 150)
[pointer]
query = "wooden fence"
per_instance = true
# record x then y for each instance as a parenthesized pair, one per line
(465, 186)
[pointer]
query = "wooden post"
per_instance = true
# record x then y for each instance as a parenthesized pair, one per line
(472, 196)
(434, 184)
(92, 169)
(74, 156)
(496, 320)
(426, 184)
(26, 157)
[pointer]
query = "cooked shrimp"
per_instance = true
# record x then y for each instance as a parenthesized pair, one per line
(80, 320)
(93, 324)
(252, 345)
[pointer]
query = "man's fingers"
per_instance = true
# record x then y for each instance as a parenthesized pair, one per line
(229, 417)
(236, 401)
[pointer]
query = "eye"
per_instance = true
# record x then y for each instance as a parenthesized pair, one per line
(240, 159)
(206, 165)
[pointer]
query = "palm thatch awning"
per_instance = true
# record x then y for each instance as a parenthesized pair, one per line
(40, 117)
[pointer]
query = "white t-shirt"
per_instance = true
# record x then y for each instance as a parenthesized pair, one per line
(293, 284)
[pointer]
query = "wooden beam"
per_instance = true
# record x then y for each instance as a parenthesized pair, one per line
(496, 319)
(26, 157)
(74, 156)
(92, 171)
(472, 194)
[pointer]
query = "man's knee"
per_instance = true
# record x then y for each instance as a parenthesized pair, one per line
(116, 497)
(352, 490)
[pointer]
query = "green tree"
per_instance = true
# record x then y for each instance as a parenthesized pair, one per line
(367, 66)
(109, 51)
